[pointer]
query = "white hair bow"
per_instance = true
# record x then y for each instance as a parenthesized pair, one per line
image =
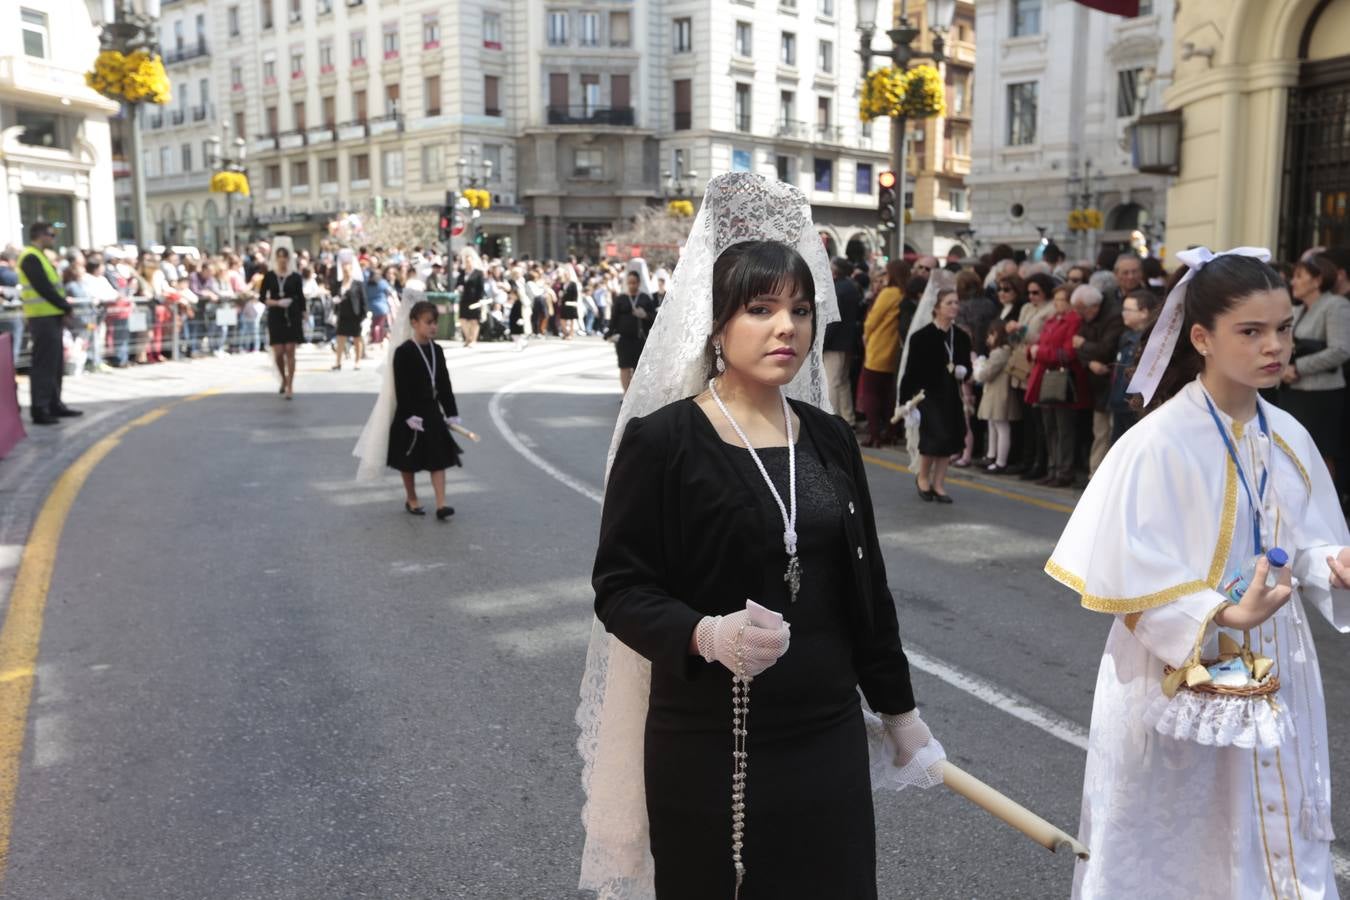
(1163, 341)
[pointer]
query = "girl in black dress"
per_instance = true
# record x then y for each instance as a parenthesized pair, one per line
(628, 325)
(571, 302)
(471, 292)
(283, 292)
(351, 312)
(419, 436)
(938, 364)
(701, 498)
(518, 316)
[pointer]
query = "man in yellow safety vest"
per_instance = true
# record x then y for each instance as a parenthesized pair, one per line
(44, 310)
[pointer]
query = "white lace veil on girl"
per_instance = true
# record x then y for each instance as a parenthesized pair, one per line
(372, 447)
(940, 280)
(639, 265)
(740, 206)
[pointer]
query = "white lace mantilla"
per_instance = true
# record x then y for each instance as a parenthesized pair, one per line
(1220, 721)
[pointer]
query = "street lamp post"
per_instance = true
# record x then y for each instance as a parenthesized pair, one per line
(466, 171)
(939, 15)
(677, 184)
(1084, 190)
(127, 30)
(229, 164)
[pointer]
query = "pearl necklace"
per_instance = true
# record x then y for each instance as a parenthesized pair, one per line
(793, 576)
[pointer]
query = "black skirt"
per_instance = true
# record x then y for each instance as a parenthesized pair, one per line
(348, 326)
(283, 328)
(430, 450)
(1320, 412)
(629, 351)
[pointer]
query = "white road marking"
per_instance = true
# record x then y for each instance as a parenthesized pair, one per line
(1005, 701)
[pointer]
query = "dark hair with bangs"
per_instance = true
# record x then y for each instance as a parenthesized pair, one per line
(752, 269)
(1220, 285)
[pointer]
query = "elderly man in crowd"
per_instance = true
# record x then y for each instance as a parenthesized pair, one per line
(1129, 273)
(1095, 345)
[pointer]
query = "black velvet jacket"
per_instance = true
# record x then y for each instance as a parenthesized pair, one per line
(683, 536)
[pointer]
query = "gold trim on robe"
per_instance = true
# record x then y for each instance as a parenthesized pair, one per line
(1289, 451)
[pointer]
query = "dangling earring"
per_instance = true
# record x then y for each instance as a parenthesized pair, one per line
(721, 363)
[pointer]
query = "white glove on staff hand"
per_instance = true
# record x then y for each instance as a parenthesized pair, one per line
(961, 373)
(743, 648)
(912, 745)
(414, 422)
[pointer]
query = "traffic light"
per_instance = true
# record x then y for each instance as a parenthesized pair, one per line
(886, 199)
(443, 226)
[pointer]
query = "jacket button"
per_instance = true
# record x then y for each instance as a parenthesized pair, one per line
(850, 507)
(859, 553)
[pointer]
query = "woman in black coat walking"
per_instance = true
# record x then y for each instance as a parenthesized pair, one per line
(419, 436)
(351, 312)
(628, 325)
(471, 292)
(938, 364)
(283, 292)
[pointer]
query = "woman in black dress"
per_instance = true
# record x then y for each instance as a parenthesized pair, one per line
(518, 316)
(571, 302)
(419, 436)
(283, 292)
(699, 498)
(938, 364)
(628, 325)
(351, 312)
(471, 291)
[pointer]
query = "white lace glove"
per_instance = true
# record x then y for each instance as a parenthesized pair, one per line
(452, 420)
(914, 751)
(961, 373)
(745, 649)
(414, 422)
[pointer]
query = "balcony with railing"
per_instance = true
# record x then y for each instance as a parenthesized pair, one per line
(387, 124)
(291, 140)
(354, 130)
(185, 52)
(264, 143)
(742, 122)
(622, 116)
(155, 120)
(199, 113)
(178, 116)
(793, 130)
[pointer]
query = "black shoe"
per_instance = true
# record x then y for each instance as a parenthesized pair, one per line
(414, 510)
(65, 412)
(445, 512)
(942, 498)
(44, 419)
(1033, 475)
(925, 496)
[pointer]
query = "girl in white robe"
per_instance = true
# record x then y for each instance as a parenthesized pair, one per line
(1186, 797)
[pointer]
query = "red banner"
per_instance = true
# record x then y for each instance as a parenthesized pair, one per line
(1127, 8)
(11, 425)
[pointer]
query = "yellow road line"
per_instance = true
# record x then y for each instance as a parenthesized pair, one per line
(22, 630)
(978, 486)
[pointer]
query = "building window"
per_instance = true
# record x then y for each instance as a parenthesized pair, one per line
(492, 30)
(684, 102)
(391, 168)
(325, 7)
(590, 95)
(956, 199)
(178, 37)
(825, 56)
(788, 5)
(328, 170)
(588, 29)
(361, 167)
(236, 76)
(359, 110)
(358, 48)
(787, 51)
(265, 16)
(492, 90)
(1022, 113)
(232, 21)
(269, 71)
(684, 35)
(433, 164)
(326, 65)
(270, 118)
(823, 116)
(956, 96)
(1127, 93)
(620, 93)
(431, 32)
(165, 161)
(209, 158)
(620, 29)
(272, 175)
(328, 105)
(36, 37)
(186, 151)
(431, 95)
(783, 168)
(492, 161)
(588, 163)
(296, 13)
(390, 43)
(745, 43)
(391, 99)
(1026, 17)
(742, 107)
(827, 8)
(298, 115)
(787, 110)
(300, 173)
(239, 124)
(863, 181)
(557, 28)
(824, 174)
(960, 142)
(297, 64)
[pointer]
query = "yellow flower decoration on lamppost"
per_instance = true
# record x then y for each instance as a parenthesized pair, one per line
(682, 208)
(136, 77)
(890, 92)
(229, 182)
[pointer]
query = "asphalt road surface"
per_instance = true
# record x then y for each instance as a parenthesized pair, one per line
(261, 679)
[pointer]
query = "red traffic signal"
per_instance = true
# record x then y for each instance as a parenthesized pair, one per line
(886, 179)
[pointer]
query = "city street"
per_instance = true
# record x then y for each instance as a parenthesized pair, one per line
(258, 678)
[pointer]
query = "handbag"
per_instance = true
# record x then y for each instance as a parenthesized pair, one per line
(1057, 386)
(1307, 347)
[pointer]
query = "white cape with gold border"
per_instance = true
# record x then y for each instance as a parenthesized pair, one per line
(1163, 520)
